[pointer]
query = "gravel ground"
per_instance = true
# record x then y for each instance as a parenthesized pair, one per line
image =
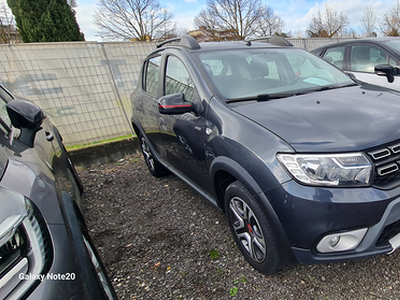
(159, 239)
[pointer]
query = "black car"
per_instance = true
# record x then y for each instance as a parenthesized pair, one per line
(362, 57)
(45, 249)
(304, 161)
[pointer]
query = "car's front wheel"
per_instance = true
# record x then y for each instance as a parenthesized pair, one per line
(252, 230)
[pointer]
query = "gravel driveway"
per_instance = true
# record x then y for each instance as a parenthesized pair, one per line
(159, 239)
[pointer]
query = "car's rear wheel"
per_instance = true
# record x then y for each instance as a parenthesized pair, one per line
(252, 230)
(154, 166)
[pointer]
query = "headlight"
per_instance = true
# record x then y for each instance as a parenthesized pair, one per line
(352, 169)
(25, 249)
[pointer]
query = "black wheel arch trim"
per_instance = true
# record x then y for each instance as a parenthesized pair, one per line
(76, 228)
(230, 166)
(136, 125)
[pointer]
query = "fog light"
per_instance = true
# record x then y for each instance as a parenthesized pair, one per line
(343, 241)
(334, 241)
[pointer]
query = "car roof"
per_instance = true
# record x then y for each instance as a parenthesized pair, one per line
(358, 41)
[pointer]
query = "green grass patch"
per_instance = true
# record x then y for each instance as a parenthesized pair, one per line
(213, 254)
(233, 291)
(120, 138)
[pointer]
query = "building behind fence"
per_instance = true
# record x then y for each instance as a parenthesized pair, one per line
(84, 86)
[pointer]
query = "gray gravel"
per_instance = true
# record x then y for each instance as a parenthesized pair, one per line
(159, 239)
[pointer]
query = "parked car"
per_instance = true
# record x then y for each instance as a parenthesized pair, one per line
(374, 60)
(303, 160)
(45, 249)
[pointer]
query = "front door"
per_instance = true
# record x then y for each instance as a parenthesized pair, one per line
(363, 60)
(184, 135)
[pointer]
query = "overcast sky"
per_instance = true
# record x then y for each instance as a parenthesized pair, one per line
(296, 13)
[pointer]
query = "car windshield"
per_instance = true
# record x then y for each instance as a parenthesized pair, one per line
(394, 44)
(247, 74)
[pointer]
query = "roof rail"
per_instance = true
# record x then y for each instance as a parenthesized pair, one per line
(184, 41)
(274, 40)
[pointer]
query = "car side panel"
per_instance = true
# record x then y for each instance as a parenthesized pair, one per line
(374, 79)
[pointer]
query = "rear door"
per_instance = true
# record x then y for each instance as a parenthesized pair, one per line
(147, 101)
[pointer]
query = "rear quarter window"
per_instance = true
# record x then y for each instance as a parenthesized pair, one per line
(151, 74)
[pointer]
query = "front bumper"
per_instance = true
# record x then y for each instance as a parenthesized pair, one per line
(308, 214)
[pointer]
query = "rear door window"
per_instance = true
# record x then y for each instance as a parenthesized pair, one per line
(335, 56)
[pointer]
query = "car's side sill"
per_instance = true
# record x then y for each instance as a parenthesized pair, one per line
(192, 185)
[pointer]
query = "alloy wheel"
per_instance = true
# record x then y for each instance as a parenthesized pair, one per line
(148, 156)
(247, 229)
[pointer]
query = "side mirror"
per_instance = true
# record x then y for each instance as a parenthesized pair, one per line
(27, 117)
(388, 71)
(174, 104)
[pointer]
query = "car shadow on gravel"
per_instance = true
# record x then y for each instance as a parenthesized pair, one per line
(159, 239)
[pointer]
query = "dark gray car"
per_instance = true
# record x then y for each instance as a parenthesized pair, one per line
(45, 249)
(304, 161)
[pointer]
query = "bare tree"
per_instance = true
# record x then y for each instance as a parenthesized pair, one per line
(207, 22)
(369, 21)
(269, 23)
(243, 18)
(8, 32)
(328, 23)
(141, 20)
(390, 24)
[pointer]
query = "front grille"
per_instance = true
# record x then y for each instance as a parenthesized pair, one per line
(386, 162)
(389, 232)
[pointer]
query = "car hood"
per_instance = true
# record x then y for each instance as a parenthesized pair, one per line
(339, 120)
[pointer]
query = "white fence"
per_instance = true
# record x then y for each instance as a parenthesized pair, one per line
(84, 86)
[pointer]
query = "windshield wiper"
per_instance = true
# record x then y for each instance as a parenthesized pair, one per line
(267, 97)
(262, 97)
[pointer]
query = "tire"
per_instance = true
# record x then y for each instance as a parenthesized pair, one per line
(251, 230)
(154, 166)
